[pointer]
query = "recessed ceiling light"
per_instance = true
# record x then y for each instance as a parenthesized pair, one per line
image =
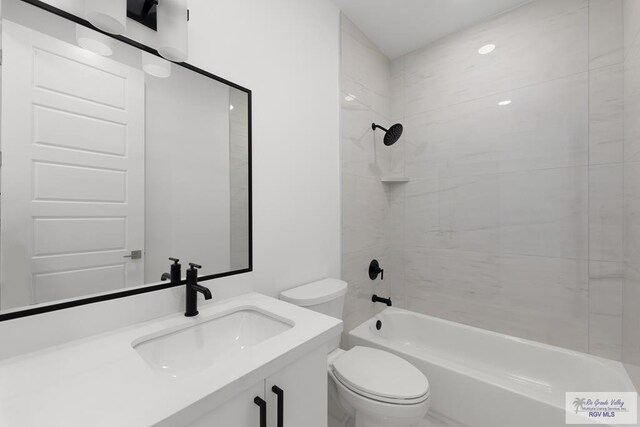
(505, 102)
(488, 48)
(349, 98)
(231, 107)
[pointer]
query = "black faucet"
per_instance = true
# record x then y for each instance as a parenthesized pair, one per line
(192, 290)
(376, 298)
(175, 274)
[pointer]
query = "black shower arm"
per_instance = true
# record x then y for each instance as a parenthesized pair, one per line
(375, 126)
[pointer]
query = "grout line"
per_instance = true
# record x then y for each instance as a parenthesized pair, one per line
(624, 192)
(589, 291)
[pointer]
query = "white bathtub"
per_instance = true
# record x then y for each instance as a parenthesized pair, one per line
(485, 379)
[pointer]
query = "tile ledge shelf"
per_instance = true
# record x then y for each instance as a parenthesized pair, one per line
(393, 179)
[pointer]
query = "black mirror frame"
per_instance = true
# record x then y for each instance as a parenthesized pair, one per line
(18, 313)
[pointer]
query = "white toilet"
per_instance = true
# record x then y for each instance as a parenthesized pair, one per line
(375, 387)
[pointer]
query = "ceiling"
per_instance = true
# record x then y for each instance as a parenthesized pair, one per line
(401, 26)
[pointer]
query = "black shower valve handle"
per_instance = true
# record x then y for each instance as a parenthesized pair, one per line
(374, 270)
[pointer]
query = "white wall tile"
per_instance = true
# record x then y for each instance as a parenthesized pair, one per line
(365, 70)
(606, 202)
(364, 215)
(631, 314)
(366, 201)
(529, 297)
(605, 309)
(396, 85)
(632, 212)
(545, 213)
(631, 10)
(606, 114)
(545, 126)
(541, 41)
(363, 152)
(632, 107)
(631, 287)
(454, 213)
(606, 33)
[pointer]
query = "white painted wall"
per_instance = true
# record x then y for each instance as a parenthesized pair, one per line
(286, 51)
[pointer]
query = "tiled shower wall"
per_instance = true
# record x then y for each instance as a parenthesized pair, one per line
(512, 220)
(365, 77)
(631, 308)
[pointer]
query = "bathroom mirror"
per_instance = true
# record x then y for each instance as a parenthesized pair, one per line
(113, 160)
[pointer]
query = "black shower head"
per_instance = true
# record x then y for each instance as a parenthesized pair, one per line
(392, 135)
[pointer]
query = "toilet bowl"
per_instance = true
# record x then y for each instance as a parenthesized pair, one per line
(378, 388)
(374, 387)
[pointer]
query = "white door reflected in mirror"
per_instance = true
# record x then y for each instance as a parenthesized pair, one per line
(109, 170)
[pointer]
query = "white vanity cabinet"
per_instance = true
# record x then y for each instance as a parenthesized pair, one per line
(202, 379)
(304, 398)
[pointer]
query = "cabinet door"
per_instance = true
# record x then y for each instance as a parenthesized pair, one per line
(304, 389)
(240, 411)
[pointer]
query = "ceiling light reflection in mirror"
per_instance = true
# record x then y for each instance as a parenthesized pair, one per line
(155, 66)
(94, 41)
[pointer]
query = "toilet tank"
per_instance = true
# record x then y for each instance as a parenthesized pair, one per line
(324, 296)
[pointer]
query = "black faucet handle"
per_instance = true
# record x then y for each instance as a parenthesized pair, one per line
(194, 266)
(175, 260)
(375, 270)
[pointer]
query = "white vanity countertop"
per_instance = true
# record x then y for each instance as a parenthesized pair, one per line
(103, 381)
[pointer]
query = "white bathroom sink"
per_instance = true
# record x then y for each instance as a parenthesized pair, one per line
(181, 350)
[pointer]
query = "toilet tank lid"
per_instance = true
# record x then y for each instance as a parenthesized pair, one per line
(315, 293)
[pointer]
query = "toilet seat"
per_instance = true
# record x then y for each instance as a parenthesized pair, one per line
(380, 376)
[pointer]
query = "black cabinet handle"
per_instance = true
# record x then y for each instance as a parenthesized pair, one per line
(280, 393)
(263, 410)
